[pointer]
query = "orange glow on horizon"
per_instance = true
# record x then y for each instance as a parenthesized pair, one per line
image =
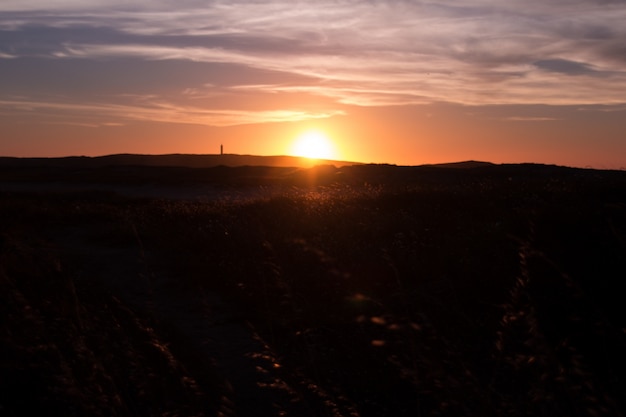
(415, 136)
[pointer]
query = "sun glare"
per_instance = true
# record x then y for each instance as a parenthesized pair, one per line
(313, 144)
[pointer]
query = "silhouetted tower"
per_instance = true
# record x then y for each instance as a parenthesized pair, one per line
(221, 149)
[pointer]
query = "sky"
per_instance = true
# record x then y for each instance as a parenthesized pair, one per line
(397, 81)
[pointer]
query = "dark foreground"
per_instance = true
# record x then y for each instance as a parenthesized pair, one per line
(361, 291)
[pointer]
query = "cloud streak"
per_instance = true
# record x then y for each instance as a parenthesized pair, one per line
(155, 110)
(345, 53)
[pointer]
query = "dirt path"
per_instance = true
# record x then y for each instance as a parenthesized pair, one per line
(252, 380)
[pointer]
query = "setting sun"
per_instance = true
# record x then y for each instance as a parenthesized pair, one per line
(313, 144)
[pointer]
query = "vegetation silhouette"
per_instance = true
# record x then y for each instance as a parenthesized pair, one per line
(366, 290)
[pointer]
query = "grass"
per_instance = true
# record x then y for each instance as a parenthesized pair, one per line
(486, 291)
(69, 346)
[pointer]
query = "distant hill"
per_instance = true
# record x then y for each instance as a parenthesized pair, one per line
(244, 170)
(463, 164)
(171, 160)
(159, 173)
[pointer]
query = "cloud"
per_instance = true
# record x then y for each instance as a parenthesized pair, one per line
(350, 53)
(153, 109)
(563, 66)
(530, 119)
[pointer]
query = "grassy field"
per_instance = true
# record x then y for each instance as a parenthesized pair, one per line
(361, 291)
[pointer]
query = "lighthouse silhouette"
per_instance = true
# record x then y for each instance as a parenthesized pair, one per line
(221, 149)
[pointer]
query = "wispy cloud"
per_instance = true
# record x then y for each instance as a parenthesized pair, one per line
(530, 119)
(346, 52)
(156, 110)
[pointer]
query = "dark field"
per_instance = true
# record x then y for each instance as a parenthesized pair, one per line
(465, 290)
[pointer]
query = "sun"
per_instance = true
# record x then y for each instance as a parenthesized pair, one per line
(313, 144)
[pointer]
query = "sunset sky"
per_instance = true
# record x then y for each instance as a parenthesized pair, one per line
(401, 82)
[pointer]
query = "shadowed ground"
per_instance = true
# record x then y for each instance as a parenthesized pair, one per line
(354, 291)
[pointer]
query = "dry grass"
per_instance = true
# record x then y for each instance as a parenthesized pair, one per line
(477, 292)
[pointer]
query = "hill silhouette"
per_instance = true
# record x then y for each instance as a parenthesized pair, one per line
(227, 169)
(111, 172)
(170, 160)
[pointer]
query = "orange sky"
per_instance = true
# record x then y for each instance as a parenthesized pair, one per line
(389, 82)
